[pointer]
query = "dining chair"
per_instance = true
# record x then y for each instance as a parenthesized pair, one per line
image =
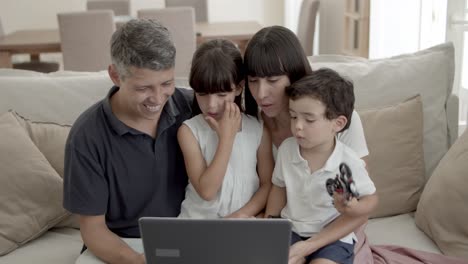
(200, 6)
(180, 21)
(85, 39)
(39, 66)
(306, 24)
(120, 7)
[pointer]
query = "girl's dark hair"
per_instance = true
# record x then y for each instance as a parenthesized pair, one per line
(330, 88)
(274, 51)
(216, 65)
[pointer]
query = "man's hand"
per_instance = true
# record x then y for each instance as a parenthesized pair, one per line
(140, 259)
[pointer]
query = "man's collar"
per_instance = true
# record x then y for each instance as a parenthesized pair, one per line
(119, 127)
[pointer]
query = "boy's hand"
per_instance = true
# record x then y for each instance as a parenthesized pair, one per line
(342, 205)
(230, 122)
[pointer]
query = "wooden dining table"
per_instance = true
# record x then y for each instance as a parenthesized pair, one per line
(37, 41)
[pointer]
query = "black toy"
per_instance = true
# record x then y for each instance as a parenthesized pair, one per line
(343, 183)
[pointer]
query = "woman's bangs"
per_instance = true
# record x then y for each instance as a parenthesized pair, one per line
(261, 63)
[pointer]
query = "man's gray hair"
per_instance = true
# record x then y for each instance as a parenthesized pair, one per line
(142, 43)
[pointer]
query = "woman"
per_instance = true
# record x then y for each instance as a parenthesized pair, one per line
(274, 59)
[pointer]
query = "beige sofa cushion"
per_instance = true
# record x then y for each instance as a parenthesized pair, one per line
(66, 95)
(30, 189)
(49, 138)
(389, 81)
(442, 210)
(396, 162)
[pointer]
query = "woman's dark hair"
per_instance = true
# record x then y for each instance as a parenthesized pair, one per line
(274, 51)
(216, 65)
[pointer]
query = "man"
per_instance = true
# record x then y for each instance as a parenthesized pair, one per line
(122, 159)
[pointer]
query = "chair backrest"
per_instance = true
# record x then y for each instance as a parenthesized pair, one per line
(306, 25)
(85, 39)
(200, 6)
(180, 21)
(120, 7)
(1, 29)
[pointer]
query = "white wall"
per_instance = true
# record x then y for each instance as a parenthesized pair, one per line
(31, 14)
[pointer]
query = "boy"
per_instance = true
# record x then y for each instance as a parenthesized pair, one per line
(320, 106)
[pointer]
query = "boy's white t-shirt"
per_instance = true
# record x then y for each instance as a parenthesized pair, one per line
(309, 206)
(241, 179)
(352, 137)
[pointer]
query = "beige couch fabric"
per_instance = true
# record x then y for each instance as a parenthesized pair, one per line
(389, 81)
(442, 210)
(30, 189)
(394, 137)
(49, 138)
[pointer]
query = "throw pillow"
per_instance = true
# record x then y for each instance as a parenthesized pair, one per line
(442, 210)
(30, 189)
(49, 138)
(389, 81)
(396, 162)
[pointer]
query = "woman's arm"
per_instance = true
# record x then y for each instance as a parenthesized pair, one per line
(340, 227)
(265, 166)
(276, 201)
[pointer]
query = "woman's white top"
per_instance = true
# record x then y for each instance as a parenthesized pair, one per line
(241, 179)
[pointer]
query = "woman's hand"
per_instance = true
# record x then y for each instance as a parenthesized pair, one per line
(298, 252)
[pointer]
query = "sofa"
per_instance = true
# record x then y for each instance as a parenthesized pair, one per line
(407, 108)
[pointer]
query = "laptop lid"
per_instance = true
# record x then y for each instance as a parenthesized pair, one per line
(213, 241)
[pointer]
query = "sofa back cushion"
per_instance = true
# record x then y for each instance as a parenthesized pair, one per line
(442, 211)
(58, 98)
(396, 163)
(30, 189)
(389, 81)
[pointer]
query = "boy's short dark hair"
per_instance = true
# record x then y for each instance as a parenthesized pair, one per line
(327, 86)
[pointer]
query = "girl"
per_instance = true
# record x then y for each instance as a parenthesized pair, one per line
(227, 151)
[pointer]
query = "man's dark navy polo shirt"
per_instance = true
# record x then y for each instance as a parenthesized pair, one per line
(114, 170)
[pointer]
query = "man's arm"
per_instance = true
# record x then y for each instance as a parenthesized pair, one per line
(104, 244)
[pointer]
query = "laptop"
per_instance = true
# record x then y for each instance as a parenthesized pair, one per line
(214, 241)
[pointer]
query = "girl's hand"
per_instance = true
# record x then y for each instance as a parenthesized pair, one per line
(238, 215)
(229, 124)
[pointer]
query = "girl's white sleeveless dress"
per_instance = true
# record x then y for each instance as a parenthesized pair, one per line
(241, 179)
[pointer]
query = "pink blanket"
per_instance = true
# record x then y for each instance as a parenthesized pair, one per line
(371, 254)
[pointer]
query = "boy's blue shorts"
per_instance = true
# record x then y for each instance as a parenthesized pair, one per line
(339, 252)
